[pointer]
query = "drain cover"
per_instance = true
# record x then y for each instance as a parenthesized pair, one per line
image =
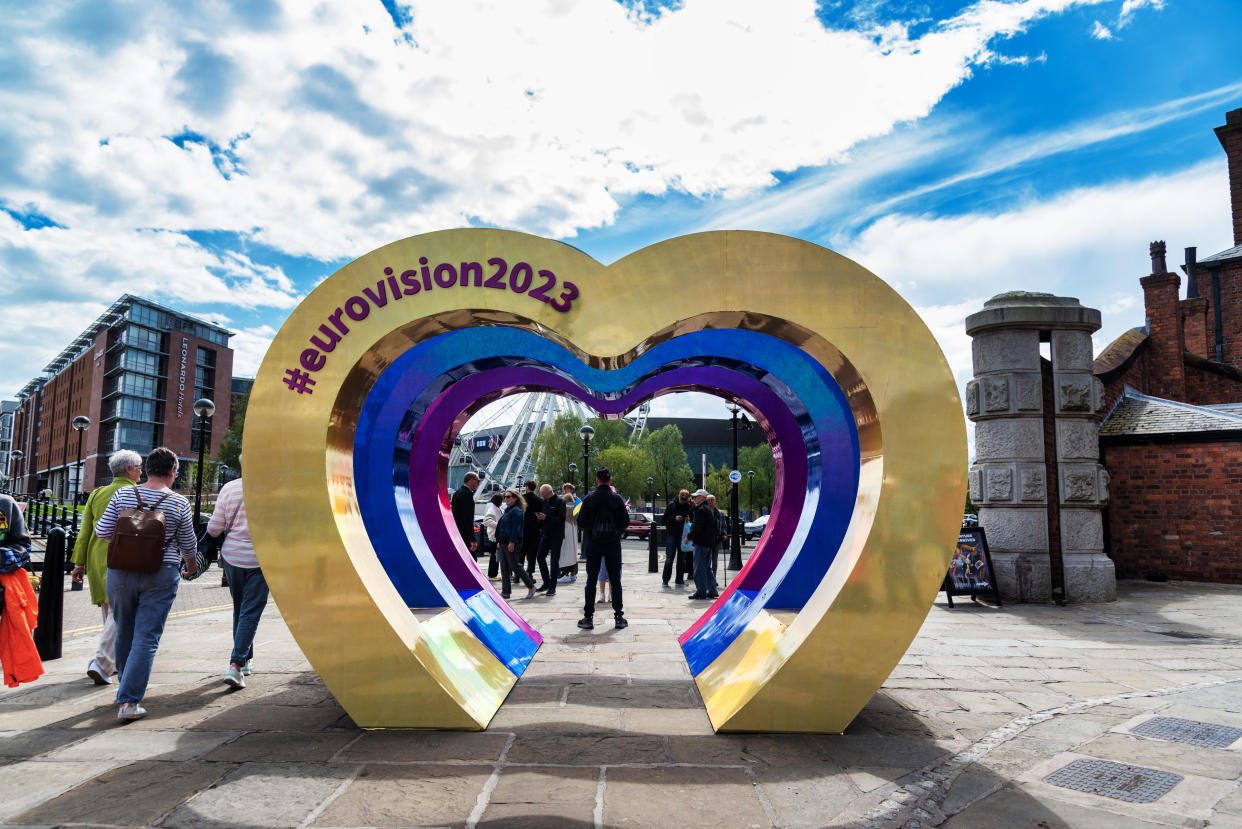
(1206, 734)
(1133, 784)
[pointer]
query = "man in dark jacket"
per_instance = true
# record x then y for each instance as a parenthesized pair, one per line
(463, 510)
(551, 515)
(603, 518)
(703, 535)
(530, 528)
(676, 514)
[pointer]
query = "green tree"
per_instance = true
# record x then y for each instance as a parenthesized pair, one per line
(669, 465)
(560, 444)
(629, 470)
(229, 452)
(761, 488)
(718, 485)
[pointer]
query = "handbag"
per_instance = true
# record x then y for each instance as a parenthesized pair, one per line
(209, 546)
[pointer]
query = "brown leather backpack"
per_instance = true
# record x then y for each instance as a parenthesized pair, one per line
(137, 543)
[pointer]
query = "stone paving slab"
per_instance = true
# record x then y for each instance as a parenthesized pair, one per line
(607, 729)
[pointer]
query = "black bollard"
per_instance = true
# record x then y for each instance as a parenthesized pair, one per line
(48, 634)
(653, 557)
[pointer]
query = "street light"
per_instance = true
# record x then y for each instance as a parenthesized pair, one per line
(586, 431)
(573, 472)
(737, 421)
(650, 481)
(17, 455)
(80, 424)
(750, 492)
(204, 408)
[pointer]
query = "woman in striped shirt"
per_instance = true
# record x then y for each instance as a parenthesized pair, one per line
(141, 601)
(246, 582)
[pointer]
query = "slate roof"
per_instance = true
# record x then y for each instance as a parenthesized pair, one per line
(1234, 253)
(1119, 351)
(1139, 414)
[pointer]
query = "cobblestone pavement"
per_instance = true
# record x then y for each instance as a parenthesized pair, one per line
(606, 729)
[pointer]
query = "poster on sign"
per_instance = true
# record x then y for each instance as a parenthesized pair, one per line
(970, 572)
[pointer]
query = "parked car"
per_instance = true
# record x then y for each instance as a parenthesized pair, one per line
(640, 525)
(754, 529)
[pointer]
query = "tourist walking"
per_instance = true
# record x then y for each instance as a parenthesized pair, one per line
(703, 536)
(676, 514)
(603, 518)
(247, 585)
(140, 600)
(530, 528)
(569, 544)
(462, 506)
(551, 517)
(490, 518)
(90, 559)
(509, 536)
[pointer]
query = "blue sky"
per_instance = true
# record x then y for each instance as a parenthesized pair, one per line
(224, 157)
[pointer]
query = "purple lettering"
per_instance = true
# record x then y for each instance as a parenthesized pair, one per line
(445, 269)
(357, 302)
(410, 280)
(312, 360)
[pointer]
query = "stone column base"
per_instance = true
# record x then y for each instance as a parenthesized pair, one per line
(1023, 577)
(1089, 577)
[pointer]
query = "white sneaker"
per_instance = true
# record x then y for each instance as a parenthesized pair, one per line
(93, 671)
(233, 677)
(131, 711)
(564, 580)
(245, 669)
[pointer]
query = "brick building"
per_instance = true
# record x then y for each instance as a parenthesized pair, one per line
(135, 373)
(1172, 439)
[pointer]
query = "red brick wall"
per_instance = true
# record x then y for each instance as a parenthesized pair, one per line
(1230, 135)
(1164, 326)
(1176, 510)
(1204, 388)
(1135, 375)
(1231, 308)
(1196, 327)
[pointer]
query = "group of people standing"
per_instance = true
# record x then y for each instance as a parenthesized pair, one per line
(538, 531)
(134, 605)
(708, 533)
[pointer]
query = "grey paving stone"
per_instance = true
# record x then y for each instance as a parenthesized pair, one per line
(261, 795)
(28, 783)
(423, 746)
(530, 798)
(848, 751)
(1175, 757)
(123, 743)
(678, 796)
(748, 750)
(137, 794)
(621, 695)
(275, 746)
(587, 750)
(1011, 807)
(419, 795)
(805, 797)
(256, 717)
(526, 693)
(23, 744)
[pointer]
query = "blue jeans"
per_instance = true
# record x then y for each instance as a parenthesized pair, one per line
(704, 578)
(141, 602)
(249, 590)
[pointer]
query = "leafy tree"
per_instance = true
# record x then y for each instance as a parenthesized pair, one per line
(629, 470)
(559, 445)
(229, 452)
(761, 488)
(669, 465)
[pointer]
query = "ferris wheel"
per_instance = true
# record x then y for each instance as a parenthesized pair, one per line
(528, 414)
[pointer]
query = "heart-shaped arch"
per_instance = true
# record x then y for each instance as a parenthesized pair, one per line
(863, 532)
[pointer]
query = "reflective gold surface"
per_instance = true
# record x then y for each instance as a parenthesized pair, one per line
(389, 670)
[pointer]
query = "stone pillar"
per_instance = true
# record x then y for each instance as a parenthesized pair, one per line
(1035, 435)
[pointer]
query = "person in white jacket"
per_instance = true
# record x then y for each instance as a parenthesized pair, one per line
(495, 509)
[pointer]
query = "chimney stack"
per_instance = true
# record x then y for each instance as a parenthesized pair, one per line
(1230, 136)
(1158, 264)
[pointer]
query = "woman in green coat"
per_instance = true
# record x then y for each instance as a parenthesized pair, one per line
(90, 555)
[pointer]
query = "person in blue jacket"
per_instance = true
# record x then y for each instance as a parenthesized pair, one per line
(509, 533)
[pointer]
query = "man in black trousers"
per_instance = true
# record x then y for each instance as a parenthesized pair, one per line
(463, 511)
(551, 515)
(530, 527)
(603, 517)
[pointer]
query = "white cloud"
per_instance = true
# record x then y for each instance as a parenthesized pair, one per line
(1101, 32)
(1129, 7)
(249, 347)
(349, 137)
(1089, 243)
